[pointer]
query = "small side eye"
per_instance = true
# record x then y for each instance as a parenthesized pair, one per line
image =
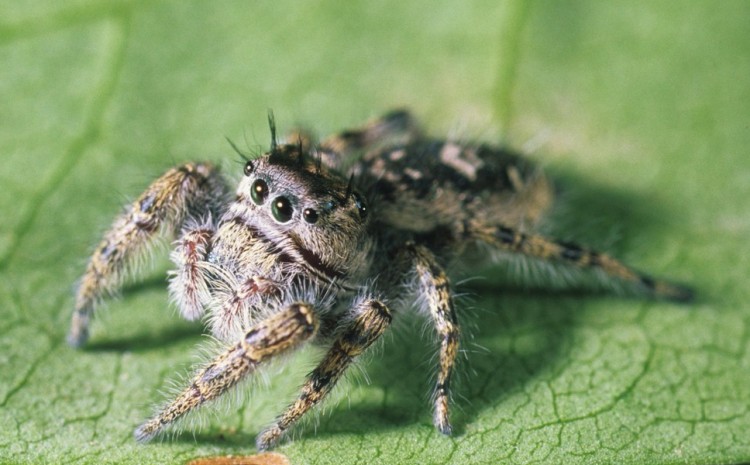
(361, 206)
(249, 168)
(259, 191)
(282, 210)
(310, 215)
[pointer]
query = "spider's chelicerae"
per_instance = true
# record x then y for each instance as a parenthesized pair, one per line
(322, 242)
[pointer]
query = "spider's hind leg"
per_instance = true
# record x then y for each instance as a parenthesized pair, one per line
(192, 190)
(394, 127)
(547, 249)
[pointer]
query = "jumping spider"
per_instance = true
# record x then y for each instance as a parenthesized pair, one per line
(306, 252)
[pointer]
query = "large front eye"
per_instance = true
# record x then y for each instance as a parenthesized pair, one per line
(282, 209)
(259, 191)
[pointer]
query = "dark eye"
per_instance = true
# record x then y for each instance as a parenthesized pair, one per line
(361, 206)
(282, 209)
(249, 168)
(310, 215)
(259, 191)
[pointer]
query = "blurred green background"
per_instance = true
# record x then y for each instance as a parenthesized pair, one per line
(641, 108)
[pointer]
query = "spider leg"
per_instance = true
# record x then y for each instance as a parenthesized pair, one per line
(397, 126)
(188, 284)
(433, 286)
(273, 336)
(545, 248)
(369, 320)
(301, 137)
(191, 190)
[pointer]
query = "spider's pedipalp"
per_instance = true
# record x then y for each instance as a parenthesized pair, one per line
(188, 284)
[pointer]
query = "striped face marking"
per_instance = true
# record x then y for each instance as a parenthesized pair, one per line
(291, 211)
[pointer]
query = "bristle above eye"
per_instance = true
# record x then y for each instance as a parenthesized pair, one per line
(349, 186)
(300, 155)
(318, 161)
(272, 128)
(237, 149)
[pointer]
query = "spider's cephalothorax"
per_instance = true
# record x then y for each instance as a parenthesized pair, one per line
(294, 231)
(315, 242)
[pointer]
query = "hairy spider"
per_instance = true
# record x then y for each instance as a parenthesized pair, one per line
(306, 252)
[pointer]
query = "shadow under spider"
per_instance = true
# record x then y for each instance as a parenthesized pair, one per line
(484, 376)
(499, 312)
(153, 340)
(404, 367)
(171, 330)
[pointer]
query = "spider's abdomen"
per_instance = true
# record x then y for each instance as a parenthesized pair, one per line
(428, 184)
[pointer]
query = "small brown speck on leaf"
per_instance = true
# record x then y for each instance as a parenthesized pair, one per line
(266, 458)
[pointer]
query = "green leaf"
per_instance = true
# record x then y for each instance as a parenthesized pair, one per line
(640, 108)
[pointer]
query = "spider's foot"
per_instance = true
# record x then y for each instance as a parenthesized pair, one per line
(444, 428)
(147, 431)
(674, 292)
(441, 421)
(79, 330)
(268, 438)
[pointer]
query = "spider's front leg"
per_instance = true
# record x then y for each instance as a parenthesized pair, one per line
(273, 336)
(369, 320)
(434, 289)
(192, 190)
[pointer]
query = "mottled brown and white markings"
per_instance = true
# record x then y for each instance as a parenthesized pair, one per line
(320, 242)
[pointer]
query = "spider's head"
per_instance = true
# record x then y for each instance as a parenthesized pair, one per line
(289, 194)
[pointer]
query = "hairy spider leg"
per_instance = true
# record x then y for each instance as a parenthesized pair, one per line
(188, 284)
(434, 287)
(395, 127)
(545, 248)
(271, 337)
(369, 320)
(191, 190)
